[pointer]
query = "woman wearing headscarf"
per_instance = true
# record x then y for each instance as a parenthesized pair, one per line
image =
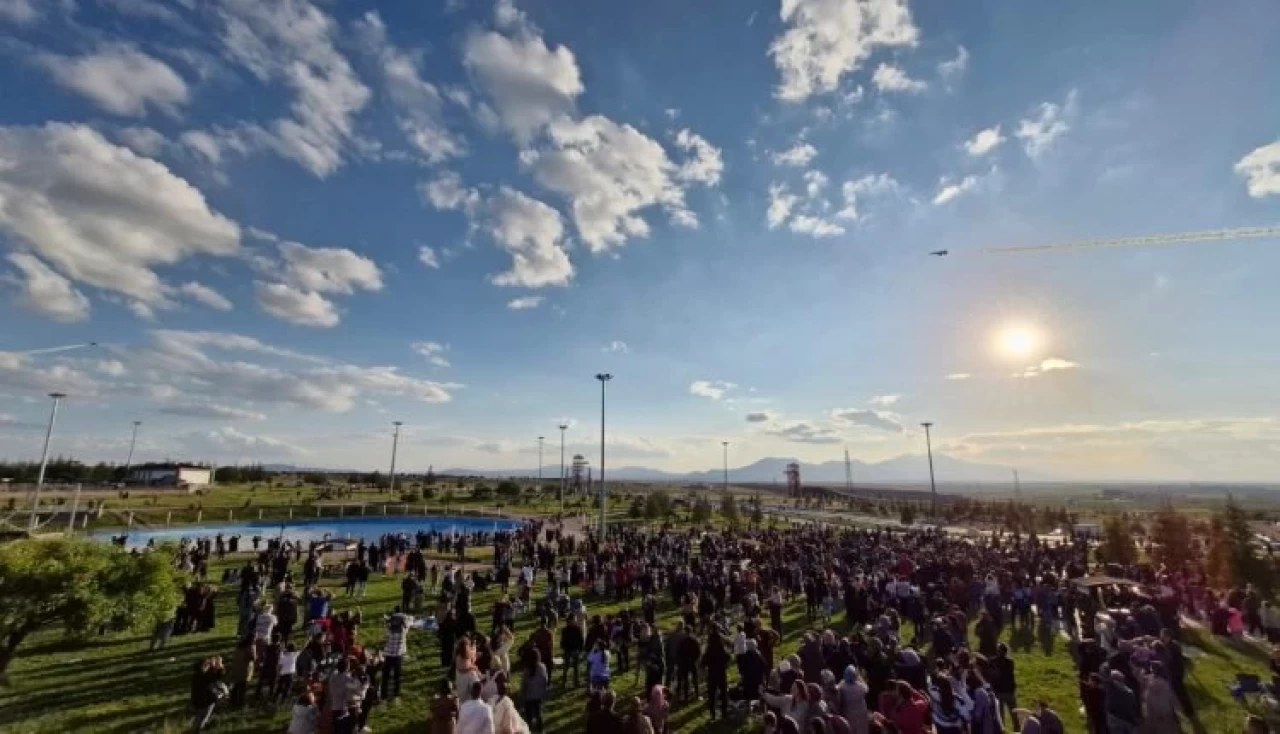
(1159, 705)
(637, 722)
(851, 700)
(794, 706)
(658, 709)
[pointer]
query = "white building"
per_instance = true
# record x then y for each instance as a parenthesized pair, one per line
(189, 478)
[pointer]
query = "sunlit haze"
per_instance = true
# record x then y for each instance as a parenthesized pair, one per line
(288, 224)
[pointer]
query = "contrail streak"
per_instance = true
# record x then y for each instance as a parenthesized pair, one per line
(51, 350)
(1217, 235)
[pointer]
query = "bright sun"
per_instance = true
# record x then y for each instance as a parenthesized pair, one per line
(1018, 341)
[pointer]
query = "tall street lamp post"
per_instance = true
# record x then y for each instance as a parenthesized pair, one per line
(44, 459)
(726, 465)
(603, 377)
(933, 486)
(133, 441)
(395, 444)
(563, 427)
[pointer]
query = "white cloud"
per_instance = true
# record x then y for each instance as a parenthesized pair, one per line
(1050, 122)
(328, 269)
(713, 389)
(144, 141)
(704, 165)
(1052, 364)
(433, 352)
(427, 256)
(617, 347)
(205, 144)
(1261, 168)
(524, 303)
(815, 226)
(120, 79)
(532, 233)
(815, 182)
(18, 11)
(984, 142)
(530, 84)
(47, 293)
(418, 103)
(763, 416)
(884, 401)
(781, 202)
(206, 295)
(889, 78)
(804, 432)
(230, 444)
(869, 186)
(111, 367)
(293, 42)
(608, 172)
(948, 192)
(826, 39)
(956, 67)
(447, 192)
(867, 418)
(304, 308)
(101, 215)
(798, 155)
(957, 376)
(212, 411)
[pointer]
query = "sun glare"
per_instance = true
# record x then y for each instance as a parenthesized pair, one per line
(1018, 341)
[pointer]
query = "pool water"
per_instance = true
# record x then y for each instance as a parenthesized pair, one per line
(369, 528)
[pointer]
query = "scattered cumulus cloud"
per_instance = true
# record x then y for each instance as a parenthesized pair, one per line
(120, 79)
(296, 306)
(1052, 364)
(45, 292)
(984, 142)
(427, 256)
(524, 303)
(762, 416)
(879, 420)
(1050, 122)
(950, 191)
(205, 295)
(212, 411)
(433, 352)
(890, 78)
(859, 190)
(704, 164)
(884, 401)
(1261, 170)
(825, 40)
(956, 67)
(532, 233)
(815, 226)
(781, 202)
(799, 155)
(616, 347)
(713, 389)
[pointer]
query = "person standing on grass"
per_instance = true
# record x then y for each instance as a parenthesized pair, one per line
(533, 690)
(286, 671)
(506, 719)
(444, 710)
(206, 691)
(305, 718)
(475, 716)
(571, 645)
(393, 652)
(241, 670)
(716, 661)
(1005, 682)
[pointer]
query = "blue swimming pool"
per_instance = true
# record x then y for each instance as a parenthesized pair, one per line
(368, 528)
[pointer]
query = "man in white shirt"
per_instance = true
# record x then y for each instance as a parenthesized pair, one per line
(475, 716)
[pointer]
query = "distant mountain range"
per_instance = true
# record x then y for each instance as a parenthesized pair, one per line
(909, 468)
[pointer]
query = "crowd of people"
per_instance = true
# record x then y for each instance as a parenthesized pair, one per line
(900, 633)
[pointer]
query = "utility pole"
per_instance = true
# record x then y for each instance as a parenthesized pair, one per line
(1017, 486)
(726, 466)
(848, 473)
(44, 459)
(933, 486)
(132, 442)
(540, 438)
(563, 427)
(395, 443)
(603, 377)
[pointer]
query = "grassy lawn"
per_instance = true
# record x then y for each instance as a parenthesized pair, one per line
(113, 684)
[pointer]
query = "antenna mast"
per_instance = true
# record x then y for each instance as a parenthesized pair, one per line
(848, 472)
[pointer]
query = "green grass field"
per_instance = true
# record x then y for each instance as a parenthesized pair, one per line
(113, 684)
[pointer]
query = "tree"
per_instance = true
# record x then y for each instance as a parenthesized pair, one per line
(636, 511)
(431, 476)
(729, 508)
(657, 505)
(1172, 534)
(1246, 566)
(1117, 544)
(701, 512)
(508, 488)
(81, 585)
(481, 493)
(907, 515)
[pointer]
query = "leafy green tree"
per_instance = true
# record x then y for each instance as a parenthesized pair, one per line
(636, 510)
(80, 585)
(701, 512)
(1246, 566)
(907, 515)
(1171, 532)
(729, 508)
(657, 505)
(508, 488)
(1117, 544)
(482, 493)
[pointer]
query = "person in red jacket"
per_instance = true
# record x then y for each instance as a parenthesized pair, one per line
(904, 707)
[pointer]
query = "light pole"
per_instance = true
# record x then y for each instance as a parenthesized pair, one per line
(603, 377)
(540, 439)
(563, 427)
(726, 465)
(44, 458)
(395, 443)
(133, 441)
(933, 487)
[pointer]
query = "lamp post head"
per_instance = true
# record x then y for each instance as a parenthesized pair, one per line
(564, 426)
(541, 437)
(137, 423)
(397, 424)
(57, 395)
(604, 377)
(927, 424)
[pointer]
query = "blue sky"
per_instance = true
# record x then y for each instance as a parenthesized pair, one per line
(290, 223)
